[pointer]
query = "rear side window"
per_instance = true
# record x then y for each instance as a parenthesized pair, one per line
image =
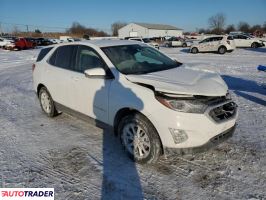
(43, 53)
(230, 38)
(63, 57)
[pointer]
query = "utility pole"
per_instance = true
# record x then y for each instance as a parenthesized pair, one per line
(27, 27)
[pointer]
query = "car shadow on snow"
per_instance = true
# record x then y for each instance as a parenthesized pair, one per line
(240, 86)
(120, 176)
(185, 50)
(260, 49)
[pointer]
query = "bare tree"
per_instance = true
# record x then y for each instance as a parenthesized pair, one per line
(217, 22)
(230, 28)
(81, 30)
(264, 27)
(116, 26)
(244, 27)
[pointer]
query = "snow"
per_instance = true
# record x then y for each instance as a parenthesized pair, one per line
(82, 161)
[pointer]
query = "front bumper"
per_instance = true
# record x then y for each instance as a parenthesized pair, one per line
(192, 130)
(216, 140)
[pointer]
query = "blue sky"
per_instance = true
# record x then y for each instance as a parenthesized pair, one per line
(187, 14)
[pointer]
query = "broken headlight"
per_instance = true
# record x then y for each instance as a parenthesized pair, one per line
(183, 105)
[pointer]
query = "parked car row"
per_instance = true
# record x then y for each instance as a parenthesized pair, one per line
(20, 43)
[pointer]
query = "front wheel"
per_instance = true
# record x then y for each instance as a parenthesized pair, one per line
(184, 45)
(139, 138)
(254, 45)
(47, 103)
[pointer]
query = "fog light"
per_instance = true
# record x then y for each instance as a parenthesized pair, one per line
(178, 135)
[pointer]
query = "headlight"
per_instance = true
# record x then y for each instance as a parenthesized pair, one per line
(187, 106)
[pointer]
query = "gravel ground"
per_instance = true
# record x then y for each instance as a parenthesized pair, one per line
(82, 161)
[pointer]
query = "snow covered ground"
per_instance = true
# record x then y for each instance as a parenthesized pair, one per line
(82, 161)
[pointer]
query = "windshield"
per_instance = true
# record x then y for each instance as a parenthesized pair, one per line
(138, 59)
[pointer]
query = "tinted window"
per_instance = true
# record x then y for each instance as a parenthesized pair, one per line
(88, 58)
(64, 56)
(52, 58)
(206, 40)
(43, 53)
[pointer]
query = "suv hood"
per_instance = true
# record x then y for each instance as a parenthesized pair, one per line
(183, 80)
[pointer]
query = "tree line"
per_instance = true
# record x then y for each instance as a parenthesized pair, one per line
(217, 25)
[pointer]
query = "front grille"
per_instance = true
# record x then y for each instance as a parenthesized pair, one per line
(223, 112)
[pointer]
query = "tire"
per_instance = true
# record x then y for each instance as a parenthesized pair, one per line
(194, 50)
(222, 50)
(137, 128)
(47, 103)
(184, 45)
(254, 45)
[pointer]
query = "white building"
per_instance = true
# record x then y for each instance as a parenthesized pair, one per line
(145, 30)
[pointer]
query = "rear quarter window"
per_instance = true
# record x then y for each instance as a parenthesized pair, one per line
(43, 53)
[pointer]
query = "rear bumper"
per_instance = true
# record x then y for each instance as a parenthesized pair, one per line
(216, 140)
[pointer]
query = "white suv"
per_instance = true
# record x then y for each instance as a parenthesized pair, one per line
(242, 40)
(220, 44)
(155, 104)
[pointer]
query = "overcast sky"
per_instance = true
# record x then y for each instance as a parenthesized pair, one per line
(187, 14)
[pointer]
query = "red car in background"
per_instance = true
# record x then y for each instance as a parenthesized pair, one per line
(24, 43)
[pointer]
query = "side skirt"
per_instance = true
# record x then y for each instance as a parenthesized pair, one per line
(83, 117)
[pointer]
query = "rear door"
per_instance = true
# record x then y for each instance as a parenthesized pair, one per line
(59, 74)
(215, 43)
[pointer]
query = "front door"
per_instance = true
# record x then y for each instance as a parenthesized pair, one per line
(90, 95)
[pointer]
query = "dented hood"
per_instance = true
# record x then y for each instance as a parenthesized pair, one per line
(183, 80)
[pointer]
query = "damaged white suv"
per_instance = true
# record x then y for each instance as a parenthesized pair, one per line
(155, 104)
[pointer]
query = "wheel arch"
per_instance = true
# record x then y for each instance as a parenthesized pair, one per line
(40, 85)
(127, 111)
(222, 46)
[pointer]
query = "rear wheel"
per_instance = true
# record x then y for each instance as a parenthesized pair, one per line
(254, 45)
(139, 138)
(194, 50)
(221, 50)
(184, 44)
(47, 103)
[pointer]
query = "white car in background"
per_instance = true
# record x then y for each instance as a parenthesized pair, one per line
(220, 44)
(145, 40)
(154, 103)
(177, 42)
(4, 43)
(242, 40)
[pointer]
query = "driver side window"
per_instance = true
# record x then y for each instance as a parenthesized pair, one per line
(88, 58)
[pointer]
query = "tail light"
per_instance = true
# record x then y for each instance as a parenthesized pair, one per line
(228, 42)
(33, 66)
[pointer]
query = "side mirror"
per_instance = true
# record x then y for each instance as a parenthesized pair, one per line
(95, 72)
